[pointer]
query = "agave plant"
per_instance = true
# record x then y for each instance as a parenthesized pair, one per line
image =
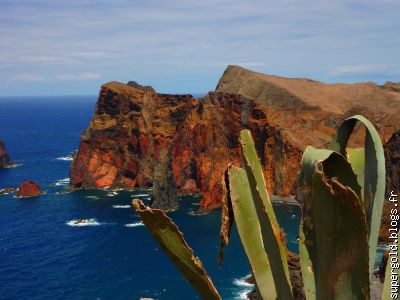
(342, 193)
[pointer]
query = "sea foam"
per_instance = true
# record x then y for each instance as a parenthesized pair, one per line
(121, 206)
(134, 224)
(245, 287)
(65, 158)
(112, 194)
(64, 181)
(140, 195)
(87, 222)
(242, 282)
(12, 165)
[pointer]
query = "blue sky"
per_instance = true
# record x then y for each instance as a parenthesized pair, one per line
(50, 47)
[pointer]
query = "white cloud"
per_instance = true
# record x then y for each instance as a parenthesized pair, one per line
(361, 69)
(47, 60)
(183, 39)
(85, 76)
(27, 77)
(64, 77)
(81, 76)
(89, 76)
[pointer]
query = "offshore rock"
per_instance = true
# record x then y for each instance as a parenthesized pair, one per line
(133, 126)
(28, 188)
(4, 159)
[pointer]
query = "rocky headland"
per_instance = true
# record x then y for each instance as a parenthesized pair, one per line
(4, 158)
(139, 138)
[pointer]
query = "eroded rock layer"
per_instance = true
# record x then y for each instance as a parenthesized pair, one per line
(138, 138)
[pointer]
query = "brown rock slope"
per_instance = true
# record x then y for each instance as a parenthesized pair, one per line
(302, 98)
(338, 98)
(197, 138)
(4, 159)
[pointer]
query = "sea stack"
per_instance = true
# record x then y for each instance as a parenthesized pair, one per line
(4, 158)
(28, 188)
(133, 126)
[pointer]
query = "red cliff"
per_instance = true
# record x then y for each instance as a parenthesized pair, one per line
(136, 131)
(138, 138)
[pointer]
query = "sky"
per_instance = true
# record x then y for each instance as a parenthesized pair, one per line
(50, 47)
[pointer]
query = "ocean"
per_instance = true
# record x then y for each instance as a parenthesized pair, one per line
(45, 255)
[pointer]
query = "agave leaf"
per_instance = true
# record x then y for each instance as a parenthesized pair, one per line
(330, 194)
(272, 235)
(311, 155)
(386, 294)
(172, 242)
(356, 157)
(254, 169)
(374, 176)
(336, 166)
(304, 196)
(306, 267)
(249, 231)
(336, 232)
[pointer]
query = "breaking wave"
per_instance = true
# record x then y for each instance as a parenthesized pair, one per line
(12, 165)
(141, 195)
(134, 224)
(121, 206)
(64, 181)
(65, 158)
(83, 222)
(112, 194)
(245, 287)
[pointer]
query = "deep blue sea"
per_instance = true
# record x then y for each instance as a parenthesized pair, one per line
(42, 256)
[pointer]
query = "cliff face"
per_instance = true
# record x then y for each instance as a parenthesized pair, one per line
(138, 138)
(4, 159)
